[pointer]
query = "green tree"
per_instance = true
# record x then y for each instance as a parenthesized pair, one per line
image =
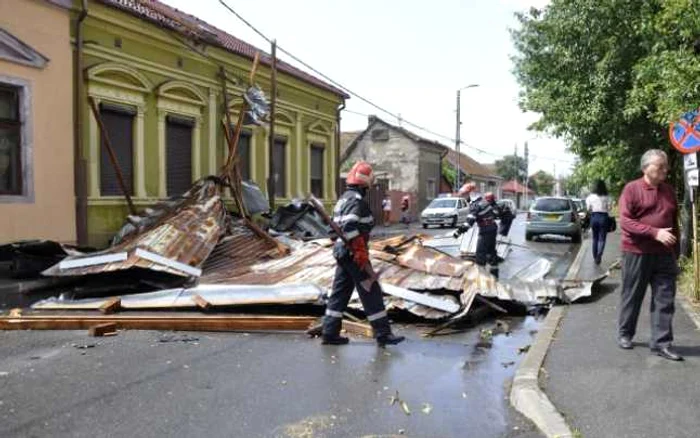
(542, 182)
(608, 76)
(512, 167)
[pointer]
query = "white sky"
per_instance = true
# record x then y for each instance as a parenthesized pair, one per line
(409, 57)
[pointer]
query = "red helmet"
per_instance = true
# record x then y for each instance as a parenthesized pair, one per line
(467, 189)
(489, 197)
(361, 175)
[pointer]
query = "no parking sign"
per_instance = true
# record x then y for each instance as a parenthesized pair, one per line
(685, 133)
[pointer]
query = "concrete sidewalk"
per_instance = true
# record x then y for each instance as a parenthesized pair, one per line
(604, 391)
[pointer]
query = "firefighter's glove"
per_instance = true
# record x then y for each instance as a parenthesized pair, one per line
(461, 230)
(360, 254)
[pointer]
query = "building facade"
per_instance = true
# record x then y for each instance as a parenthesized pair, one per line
(403, 161)
(155, 74)
(471, 170)
(37, 198)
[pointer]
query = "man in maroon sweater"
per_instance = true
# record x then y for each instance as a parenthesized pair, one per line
(648, 214)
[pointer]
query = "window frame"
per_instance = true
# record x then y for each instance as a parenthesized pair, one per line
(322, 148)
(25, 156)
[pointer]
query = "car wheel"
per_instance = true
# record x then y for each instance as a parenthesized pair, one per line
(528, 237)
(576, 238)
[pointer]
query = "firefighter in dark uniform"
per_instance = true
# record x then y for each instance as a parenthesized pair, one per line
(354, 217)
(483, 211)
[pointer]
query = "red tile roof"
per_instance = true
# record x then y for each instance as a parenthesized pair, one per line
(191, 26)
(470, 166)
(514, 186)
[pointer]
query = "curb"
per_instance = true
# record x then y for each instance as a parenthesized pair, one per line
(525, 394)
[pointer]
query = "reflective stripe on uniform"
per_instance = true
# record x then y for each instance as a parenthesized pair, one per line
(471, 216)
(352, 234)
(334, 313)
(353, 217)
(485, 210)
(376, 316)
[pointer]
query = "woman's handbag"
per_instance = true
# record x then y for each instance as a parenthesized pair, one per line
(612, 224)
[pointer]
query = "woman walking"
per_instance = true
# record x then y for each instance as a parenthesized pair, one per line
(598, 204)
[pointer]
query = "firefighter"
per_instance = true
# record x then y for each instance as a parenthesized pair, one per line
(353, 216)
(483, 211)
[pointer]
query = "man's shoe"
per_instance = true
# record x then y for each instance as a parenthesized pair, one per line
(667, 353)
(334, 340)
(625, 343)
(389, 339)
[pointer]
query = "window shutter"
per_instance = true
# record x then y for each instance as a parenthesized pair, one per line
(119, 124)
(178, 155)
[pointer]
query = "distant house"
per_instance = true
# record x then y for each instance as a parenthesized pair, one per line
(485, 178)
(517, 192)
(405, 163)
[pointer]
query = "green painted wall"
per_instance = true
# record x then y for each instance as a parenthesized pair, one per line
(116, 37)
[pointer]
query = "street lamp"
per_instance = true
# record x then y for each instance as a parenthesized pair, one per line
(457, 137)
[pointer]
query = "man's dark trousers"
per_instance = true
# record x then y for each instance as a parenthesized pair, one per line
(348, 276)
(638, 272)
(486, 250)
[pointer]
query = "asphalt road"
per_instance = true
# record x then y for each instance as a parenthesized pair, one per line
(155, 384)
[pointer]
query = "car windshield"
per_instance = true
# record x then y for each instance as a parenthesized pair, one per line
(443, 203)
(552, 204)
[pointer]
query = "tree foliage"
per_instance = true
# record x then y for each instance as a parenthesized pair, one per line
(512, 167)
(608, 76)
(542, 182)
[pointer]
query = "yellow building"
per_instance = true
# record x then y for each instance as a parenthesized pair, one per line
(155, 74)
(36, 121)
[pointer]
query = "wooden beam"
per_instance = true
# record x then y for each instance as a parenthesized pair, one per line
(111, 306)
(203, 304)
(104, 329)
(358, 329)
(171, 322)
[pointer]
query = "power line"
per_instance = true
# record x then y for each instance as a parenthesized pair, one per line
(374, 105)
(332, 81)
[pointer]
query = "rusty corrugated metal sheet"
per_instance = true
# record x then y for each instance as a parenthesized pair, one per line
(185, 232)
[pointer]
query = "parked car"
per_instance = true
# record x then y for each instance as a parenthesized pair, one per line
(553, 215)
(445, 211)
(583, 214)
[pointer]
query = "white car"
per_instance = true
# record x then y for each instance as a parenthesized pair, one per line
(450, 211)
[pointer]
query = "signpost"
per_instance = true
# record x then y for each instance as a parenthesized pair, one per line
(685, 137)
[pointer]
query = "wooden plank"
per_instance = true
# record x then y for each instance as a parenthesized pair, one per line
(111, 306)
(186, 323)
(16, 312)
(489, 303)
(203, 304)
(358, 329)
(104, 329)
(350, 327)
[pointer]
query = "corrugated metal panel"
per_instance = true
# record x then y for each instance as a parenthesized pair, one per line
(184, 232)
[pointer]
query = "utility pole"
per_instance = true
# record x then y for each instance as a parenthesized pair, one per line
(271, 180)
(457, 141)
(527, 173)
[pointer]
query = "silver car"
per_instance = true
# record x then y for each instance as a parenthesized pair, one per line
(553, 215)
(445, 211)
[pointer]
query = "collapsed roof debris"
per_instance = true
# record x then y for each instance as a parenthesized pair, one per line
(175, 237)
